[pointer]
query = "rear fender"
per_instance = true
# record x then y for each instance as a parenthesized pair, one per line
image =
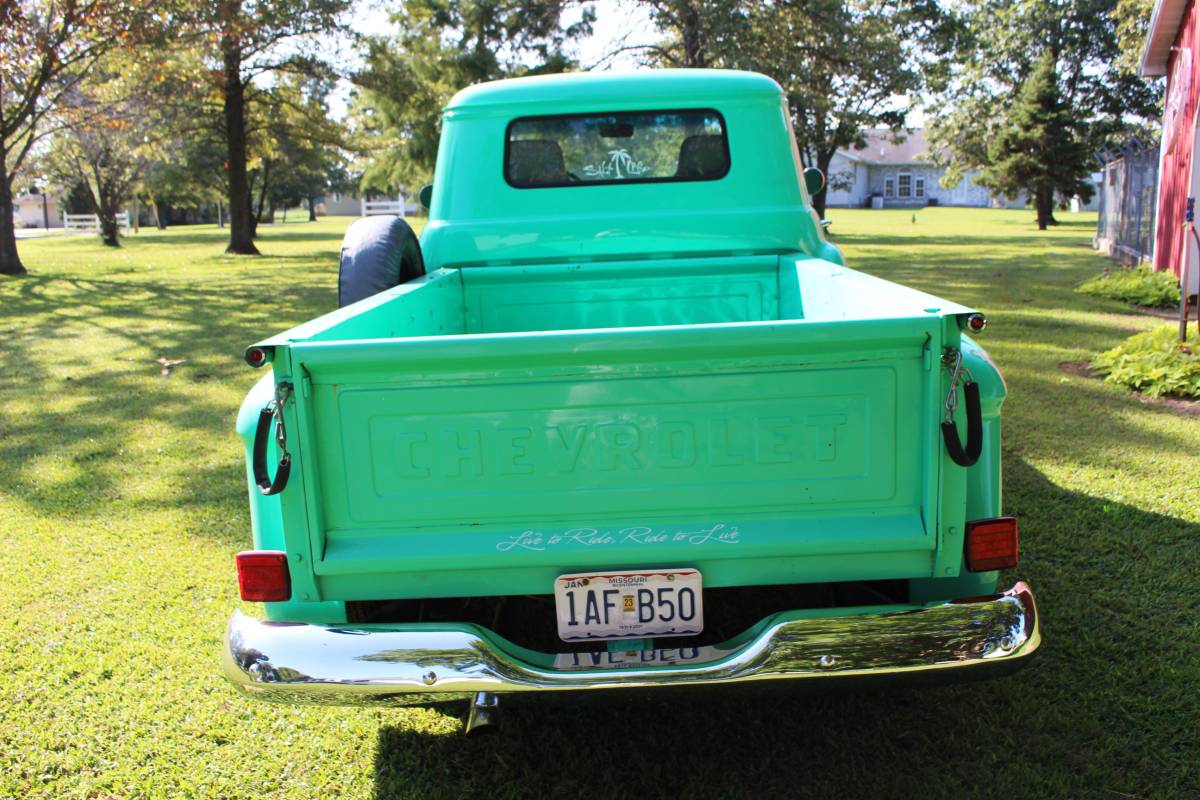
(266, 517)
(983, 480)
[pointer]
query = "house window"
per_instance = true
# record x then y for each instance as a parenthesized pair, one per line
(919, 187)
(889, 187)
(904, 185)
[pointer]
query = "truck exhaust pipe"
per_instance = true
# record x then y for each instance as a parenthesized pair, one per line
(484, 715)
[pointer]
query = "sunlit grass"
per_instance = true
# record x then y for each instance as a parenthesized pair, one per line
(123, 499)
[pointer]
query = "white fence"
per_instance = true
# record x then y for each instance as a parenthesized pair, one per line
(90, 223)
(372, 208)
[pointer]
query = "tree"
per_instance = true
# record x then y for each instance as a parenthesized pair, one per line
(293, 143)
(1038, 149)
(45, 49)
(253, 38)
(845, 65)
(105, 138)
(999, 45)
(442, 46)
(699, 32)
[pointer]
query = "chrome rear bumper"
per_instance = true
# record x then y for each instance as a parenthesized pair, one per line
(427, 663)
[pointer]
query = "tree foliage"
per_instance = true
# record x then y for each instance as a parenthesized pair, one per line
(440, 47)
(999, 44)
(107, 138)
(1133, 23)
(294, 146)
(845, 65)
(245, 41)
(1039, 149)
(699, 33)
(45, 50)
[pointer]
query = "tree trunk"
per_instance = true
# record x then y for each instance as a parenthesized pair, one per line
(312, 209)
(241, 233)
(10, 262)
(1043, 200)
(262, 195)
(103, 207)
(253, 216)
(109, 233)
(158, 223)
(694, 47)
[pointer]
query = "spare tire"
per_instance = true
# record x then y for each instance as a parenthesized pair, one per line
(377, 253)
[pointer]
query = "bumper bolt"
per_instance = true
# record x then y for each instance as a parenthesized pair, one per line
(430, 678)
(826, 662)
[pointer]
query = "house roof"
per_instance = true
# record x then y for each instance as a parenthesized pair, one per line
(1164, 25)
(881, 147)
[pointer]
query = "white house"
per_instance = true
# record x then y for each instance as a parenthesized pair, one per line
(33, 210)
(890, 174)
(897, 174)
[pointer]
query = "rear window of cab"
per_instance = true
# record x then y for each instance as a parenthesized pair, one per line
(615, 148)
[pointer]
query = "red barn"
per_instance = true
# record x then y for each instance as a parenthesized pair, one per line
(1171, 51)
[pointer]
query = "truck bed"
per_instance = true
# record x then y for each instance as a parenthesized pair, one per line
(766, 419)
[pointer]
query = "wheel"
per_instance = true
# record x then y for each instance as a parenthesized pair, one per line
(377, 253)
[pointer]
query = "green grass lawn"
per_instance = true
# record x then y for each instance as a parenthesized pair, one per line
(123, 499)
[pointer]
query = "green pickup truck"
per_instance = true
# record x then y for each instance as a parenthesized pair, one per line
(620, 418)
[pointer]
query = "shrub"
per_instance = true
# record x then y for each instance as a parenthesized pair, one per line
(1141, 286)
(1155, 363)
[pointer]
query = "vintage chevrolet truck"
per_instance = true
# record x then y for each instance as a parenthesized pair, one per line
(621, 418)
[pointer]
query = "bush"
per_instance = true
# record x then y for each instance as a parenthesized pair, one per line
(1141, 286)
(1155, 363)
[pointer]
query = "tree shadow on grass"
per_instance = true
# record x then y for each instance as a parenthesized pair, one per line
(1107, 709)
(99, 428)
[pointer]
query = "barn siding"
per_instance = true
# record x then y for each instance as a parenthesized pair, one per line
(1175, 175)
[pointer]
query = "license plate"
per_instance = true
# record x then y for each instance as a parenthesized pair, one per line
(624, 659)
(628, 605)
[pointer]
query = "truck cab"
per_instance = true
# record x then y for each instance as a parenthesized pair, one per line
(621, 418)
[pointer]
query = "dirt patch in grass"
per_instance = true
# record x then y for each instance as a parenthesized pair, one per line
(1161, 313)
(1083, 369)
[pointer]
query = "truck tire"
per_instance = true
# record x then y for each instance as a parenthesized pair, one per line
(377, 253)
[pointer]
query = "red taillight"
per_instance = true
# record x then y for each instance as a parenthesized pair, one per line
(263, 576)
(991, 544)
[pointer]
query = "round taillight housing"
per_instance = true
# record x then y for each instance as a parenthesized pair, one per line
(256, 356)
(976, 322)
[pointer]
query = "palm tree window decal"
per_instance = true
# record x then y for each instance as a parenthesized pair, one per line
(619, 166)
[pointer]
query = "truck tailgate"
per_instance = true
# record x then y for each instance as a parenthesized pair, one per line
(760, 452)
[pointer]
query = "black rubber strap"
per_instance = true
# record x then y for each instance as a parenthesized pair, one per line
(259, 463)
(966, 457)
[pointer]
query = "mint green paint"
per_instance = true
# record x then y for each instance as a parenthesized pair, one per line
(761, 205)
(622, 376)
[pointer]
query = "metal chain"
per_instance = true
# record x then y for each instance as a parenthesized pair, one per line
(953, 360)
(282, 391)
